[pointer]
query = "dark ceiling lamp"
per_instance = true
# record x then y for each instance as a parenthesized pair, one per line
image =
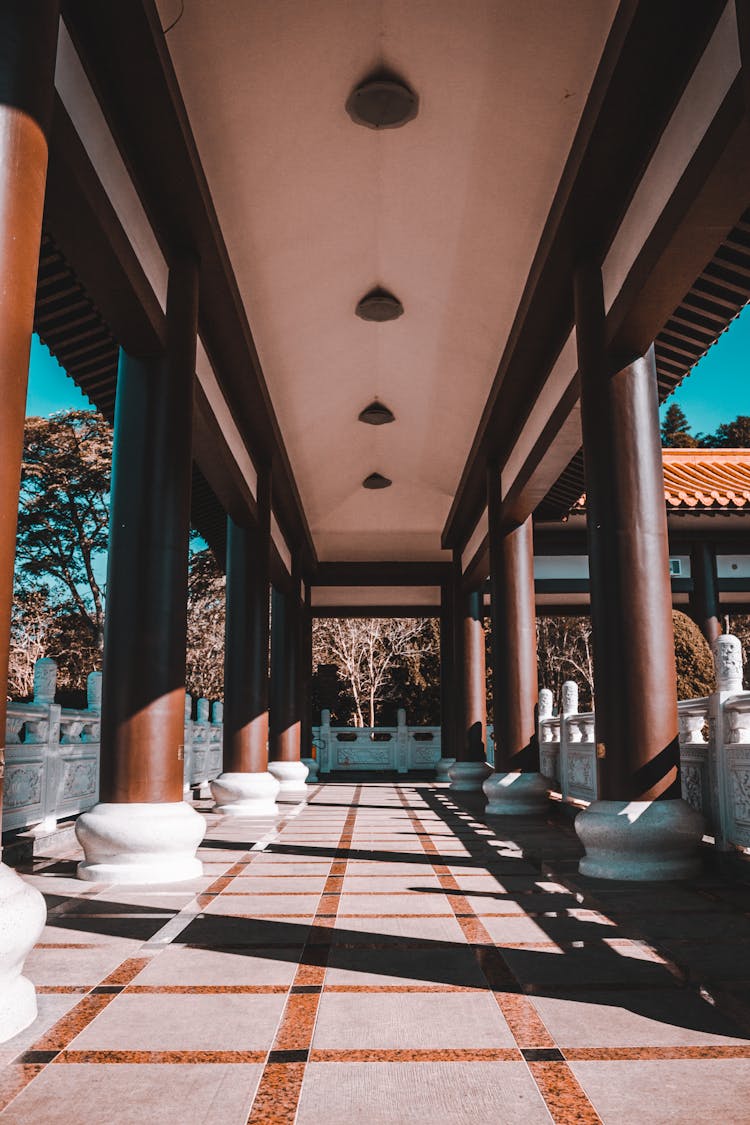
(382, 101)
(379, 305)
(375, 480)
(376, 414)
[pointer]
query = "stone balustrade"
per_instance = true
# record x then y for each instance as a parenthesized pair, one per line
(714, 749)
(400, 748)
(52, 753)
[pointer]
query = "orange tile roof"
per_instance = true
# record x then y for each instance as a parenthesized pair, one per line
(714, 479)
(700, 480)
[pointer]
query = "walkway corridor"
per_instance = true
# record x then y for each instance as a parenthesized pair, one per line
(382, 957)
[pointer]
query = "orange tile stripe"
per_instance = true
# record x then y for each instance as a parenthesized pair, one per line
(563, 1095)
(280, 1086)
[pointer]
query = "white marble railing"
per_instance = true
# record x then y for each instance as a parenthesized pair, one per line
(714, 749)
(400, 748)
(52, 753)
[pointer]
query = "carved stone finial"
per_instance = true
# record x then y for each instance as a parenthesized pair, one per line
(545, 703)
(727, 652)
(570, 698)
(217, 712)
(94, 691)
(202, 710)
(45, 680)
(188, 706)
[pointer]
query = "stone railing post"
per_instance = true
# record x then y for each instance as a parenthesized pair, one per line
(727, 654)
(324, 758)
(217, 713)
(569, 730)
(202, 711)
(402, 742)
(187, 748)
(47, 732)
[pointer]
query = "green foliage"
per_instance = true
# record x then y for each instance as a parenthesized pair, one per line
(695, 666)
(64, 513)
(675, 429)
(730, 435)
(204, 665)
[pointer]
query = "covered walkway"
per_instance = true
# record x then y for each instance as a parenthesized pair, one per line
(382, 955)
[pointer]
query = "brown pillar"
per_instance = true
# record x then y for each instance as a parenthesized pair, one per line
(475, 691)
(285, 731)
(246, 654)
(146, 625)
(514, 665)
(635, 682)
(304, 678)
(704, 599)
(447, 688)
(457, 656)
(28, 42)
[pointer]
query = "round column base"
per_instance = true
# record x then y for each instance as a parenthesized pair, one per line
(291, 778)
(516, 794)
(245, 794)
(640, 840)
(312, 770)
(442, 767)
(467, 777)
(140, 843)
(22, 918)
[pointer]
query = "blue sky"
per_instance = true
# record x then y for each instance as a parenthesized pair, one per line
(717, 390)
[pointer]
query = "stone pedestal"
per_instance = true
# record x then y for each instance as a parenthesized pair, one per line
(442, 769)
(140, 843)
(467, 777)
(22, 918)
(312, 770)
(246, 794)
(516, 794)
(640, 840)
(291, 777)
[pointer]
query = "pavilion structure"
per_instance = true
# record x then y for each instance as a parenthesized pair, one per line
(366, 290)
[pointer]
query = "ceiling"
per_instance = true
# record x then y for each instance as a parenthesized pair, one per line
(445, 212)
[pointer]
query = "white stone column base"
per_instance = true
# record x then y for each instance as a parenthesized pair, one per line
(140, 843)
(640, 840)
(291, 778)
(312, 770)
(442, 767)
(22, 917)
(467, 777)
(516, 794)
(246, 794)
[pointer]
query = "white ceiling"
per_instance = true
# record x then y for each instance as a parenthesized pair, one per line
(446, 212)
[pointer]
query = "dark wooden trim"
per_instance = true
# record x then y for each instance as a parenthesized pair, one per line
(375, 611)
(637, 85)
(85, 226)
(734, 585)
(166, 171)
(381, 574)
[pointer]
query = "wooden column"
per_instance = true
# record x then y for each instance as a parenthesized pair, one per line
(631, 602)
(475, 690)
(704, 599)
(514, 663)
(246, 654)
(28, 42)
(285, 721)
(458, 659)
(447, 688)
(146, 625)
(28, 39)
(305, 676)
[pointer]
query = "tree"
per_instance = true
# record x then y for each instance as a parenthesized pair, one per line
(367, 651)
(64, 514)
(564, 652)
(730, 435)
(675, 429)
(695, 665)
(204, 664)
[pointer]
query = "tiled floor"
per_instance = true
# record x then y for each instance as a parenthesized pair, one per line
(381, 956)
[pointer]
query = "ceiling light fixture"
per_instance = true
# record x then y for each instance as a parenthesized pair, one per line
(376, 480)
(382, 101)
(376, 414)
(379, 305)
